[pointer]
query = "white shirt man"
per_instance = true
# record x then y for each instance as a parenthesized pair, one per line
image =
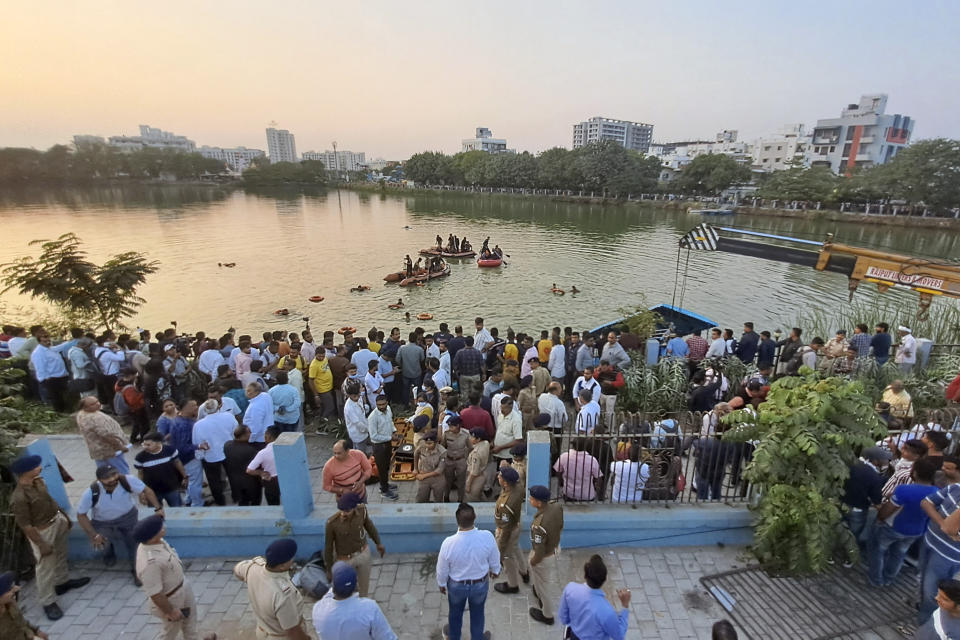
(227, 405)
(110, 360)
(361, 358)
(259, 415)
(265, 461)
(509, 429)
(589, 415)
(433, 351)
(907, 353)
(112, 505)
(615, 354)
(373, 385)
(209, 361)
(380, 425)
(550, 403)
(718, 348)
(216, 430)
(445, 363)
(308, 351)
(356, 420)
(441, 379)
(525, 369)
(557, 362)
(469, 554)
(482, 339)
(47, 363)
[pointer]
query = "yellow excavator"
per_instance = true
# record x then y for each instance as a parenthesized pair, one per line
(927, 277)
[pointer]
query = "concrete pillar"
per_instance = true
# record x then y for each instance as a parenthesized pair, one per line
(296, 494)
(538, 461)
(51, 472)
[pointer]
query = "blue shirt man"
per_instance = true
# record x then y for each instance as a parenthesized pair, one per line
(585, 609)
(344, 615)
(286, 403)
(880, 343)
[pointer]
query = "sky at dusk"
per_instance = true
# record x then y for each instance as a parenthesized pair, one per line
(392, 78)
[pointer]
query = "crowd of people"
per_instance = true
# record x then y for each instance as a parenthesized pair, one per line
(209, 409)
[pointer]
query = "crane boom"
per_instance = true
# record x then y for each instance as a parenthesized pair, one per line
(927, 277)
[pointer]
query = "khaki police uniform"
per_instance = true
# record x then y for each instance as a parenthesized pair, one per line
(427, 461)
(32, 506)
(458, 448)
(477, 461)
(345, 539)
(545, 533)
(160, 570)
(276, 603)
(507, 513)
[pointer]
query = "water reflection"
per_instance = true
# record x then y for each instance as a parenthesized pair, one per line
(293, 244)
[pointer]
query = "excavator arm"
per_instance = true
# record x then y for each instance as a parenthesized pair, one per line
(927, 277)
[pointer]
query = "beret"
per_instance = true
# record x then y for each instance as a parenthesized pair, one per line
(541, 420)
(348, 501)
(539, 492)
(876, 453)
(7, 580)
(147, 528)
(420, 422)
(430, 436)
(518, 450)
(280, 551)
(478, 432)
(26, 463)
(455, 420)
(509, 474)
(344, 578)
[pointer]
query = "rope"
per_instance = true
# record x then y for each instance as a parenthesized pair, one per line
(676, 276)
(686, 271)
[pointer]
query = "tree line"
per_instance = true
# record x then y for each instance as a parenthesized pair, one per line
(94, 162)
(264, 174)
(927, 172)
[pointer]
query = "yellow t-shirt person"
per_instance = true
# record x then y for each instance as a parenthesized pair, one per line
(321, 375)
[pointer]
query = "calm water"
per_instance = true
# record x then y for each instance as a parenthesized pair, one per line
(289, 247)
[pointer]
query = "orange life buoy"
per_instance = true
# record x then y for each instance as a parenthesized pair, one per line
(316, 298)
(424, 316)
(343, 330)
(281, 312)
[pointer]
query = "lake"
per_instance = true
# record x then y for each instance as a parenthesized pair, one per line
(290, 246)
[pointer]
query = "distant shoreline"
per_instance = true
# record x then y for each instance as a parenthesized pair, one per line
(832, 215)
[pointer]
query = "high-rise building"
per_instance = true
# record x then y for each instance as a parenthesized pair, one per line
(632, 135)
(863, 136)
(238, 159)
(153, 137)
(484, 141)
(281, 145)
(338, 160)
(784, 150)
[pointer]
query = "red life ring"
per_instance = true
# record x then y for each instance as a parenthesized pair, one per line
(316, 298)
(424, 316)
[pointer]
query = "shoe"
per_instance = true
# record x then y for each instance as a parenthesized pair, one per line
(503, 587)
(76, 583)
(393, 487)
(109, 556)
(445, 631)
(525, 577)
(136, 579)
(537, 615)
(848, 565)
(53, 611)
(389, 495)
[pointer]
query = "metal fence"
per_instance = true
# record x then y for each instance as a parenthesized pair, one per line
(641, 458)
(633, 458)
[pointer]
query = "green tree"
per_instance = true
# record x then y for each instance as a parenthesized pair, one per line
(280, 174)
(63, 276)
(814, 184)
(423, 167)
(712, 173)
(599, 162)
(556, 169)
(926, 172)
(470, 164)
(810, 430)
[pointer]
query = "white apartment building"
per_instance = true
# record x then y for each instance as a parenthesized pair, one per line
(339, 160)
(484, 141)
(782, 150)
(237, 159)
(863, 136)
(153, 137)
(631, 135)
(281, 145)
(377, 164)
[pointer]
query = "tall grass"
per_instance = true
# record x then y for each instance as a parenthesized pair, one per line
(942, 325)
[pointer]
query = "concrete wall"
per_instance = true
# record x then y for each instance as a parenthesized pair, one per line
(405, 528)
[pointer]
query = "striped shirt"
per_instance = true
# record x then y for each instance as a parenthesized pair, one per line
(340, 476)
(946, 500)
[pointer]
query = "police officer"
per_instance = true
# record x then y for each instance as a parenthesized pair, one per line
(12, 623)
(46, 526)
(161, 572)
(507, 513)
(429, 463)
(477, 461)
(457, 443)
(519, 462)
(346, 539)
(276, 603)
(545, 531)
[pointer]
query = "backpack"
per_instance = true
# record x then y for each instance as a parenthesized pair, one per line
(95, 490)
(120, 406)
(665, 471)
(312, 578)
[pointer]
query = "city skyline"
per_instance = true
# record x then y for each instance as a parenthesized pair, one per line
(394, 82)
